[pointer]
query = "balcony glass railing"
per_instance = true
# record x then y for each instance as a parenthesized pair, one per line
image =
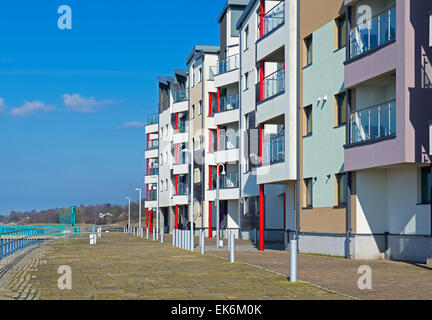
(274, 18)
(183, 127)
(152, 119)
(228, 143)
(228, 64)
(183, 189)
(181, 96)
(228, 103)
(152, 195)
(153, 145)
(274, 150)
(153, 171)
(373, 123)
(181, 158)
(226, 181)
(373, 33)
(273, 84)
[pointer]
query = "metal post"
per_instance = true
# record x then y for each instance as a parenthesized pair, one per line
(162, 237)
(147, 233)
(232, 249)
(192, 201)
(293, 259)
(217, 206)
(154, 234)
(229, 239)
(202, 242)
(139, 221)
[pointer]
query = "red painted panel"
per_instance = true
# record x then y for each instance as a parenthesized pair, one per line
(261, 217)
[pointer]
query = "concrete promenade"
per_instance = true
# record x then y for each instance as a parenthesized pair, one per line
(127, 267)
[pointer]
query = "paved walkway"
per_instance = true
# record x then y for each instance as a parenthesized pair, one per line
(126, 267)
(390, 279)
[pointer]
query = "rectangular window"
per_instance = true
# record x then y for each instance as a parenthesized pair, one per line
(246, 79)
(193, 111)
(425, 185)
(341, 109)
(200, 107)
(341, 186)
(247, 38)
(308, 48)
(341, 32)
(308, 120)
(200, 74)
(308, 193)
(166, 184)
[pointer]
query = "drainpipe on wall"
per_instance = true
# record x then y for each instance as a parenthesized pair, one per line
(349, 182)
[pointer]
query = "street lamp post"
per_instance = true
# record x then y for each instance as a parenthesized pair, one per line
(217, 202)
(139, 206)
(129, 200)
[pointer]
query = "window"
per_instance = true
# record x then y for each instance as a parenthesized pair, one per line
(247, 38)
(166, 184)
(200, 107)
(166, 130)
(341, 188)
(308, 122)
(200, 74)
(425, 185)
(308, 193)
(341, 109)
(162, 185)
(193, 111)
(308, 50)
(161, 159)
(340, 32)
(246, 77)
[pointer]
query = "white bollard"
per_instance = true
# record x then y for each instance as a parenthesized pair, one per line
(202, 237)
(142, 232)
(293, 259)
(154, 234)
(92, 238)
(232, 249)
(162, 237)
(147, 233)
(173, 238)
(229, 239)
(99, 232)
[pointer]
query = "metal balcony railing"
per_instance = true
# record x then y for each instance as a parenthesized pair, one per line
(183, 127)
(226, 181)
(152, 195)
(182, 95)
(152, 119)
(274, 18)
(228, 142)
(228, 64)
(228, 103)
(183, 189)
(273, 84)
(153, 171)
(373, 32)
(373, 123)
(153, 145)
(182, 158)
(274, 150)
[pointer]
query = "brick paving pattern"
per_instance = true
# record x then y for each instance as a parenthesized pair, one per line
(126, 267)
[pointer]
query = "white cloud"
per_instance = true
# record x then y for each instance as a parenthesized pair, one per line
(2, 105)
(84, 105)
(30, 108)
(134, 124)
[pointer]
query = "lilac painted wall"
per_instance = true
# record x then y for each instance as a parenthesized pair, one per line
(413, 100)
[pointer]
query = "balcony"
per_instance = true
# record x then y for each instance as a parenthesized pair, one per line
(374, 33)
(226, 181)
(181, 101)
(153, 171)
(152, 124)
(373, 123)
(183, 127)
(273, 85)
(152, 195)
(224, 76)
(228, 151)
(274, 150)
(274, 18)
(153, 145)
(229, 64)
(228, 110)
(181, 132)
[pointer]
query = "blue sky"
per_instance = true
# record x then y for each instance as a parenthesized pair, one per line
(66, 95)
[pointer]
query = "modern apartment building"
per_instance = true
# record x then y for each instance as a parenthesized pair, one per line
(322, 114)
(200, 64)
(268, 69)
(335, 94)
(387, 154)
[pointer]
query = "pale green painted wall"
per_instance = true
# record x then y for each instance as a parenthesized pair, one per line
(323, 152)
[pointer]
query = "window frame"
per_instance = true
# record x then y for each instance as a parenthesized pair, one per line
(425, 178)
(341, 188)
(341, 28)
(308, 200)
(308, 113)
(308, 43)
(338, 113)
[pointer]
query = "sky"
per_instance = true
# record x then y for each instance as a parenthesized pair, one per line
(73, 102)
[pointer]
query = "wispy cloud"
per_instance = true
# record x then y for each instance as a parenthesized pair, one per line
(81, 104)
(132, 124)
(2, 105)
(30, 108)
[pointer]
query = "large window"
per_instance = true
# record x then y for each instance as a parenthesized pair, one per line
(341, 109)
(341, 188)
(246, 79)
(425, 185)
(341, 32)
(308, 48)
